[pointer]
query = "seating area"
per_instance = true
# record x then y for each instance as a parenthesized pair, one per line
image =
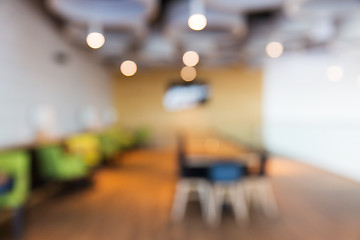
(133, 200)
(220, 177)
(71, 160)
(179, 119)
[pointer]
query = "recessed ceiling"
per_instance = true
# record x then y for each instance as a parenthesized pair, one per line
(155, 33)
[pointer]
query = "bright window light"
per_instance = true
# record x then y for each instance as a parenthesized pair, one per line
(334, 73)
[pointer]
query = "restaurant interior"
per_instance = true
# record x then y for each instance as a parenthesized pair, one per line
(179, 119)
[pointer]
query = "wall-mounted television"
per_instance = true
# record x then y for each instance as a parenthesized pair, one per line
(181, 96)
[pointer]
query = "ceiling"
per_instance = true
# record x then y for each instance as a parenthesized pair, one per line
(155, 32)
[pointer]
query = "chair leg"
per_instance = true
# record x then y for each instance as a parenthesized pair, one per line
(250, 191)
(268, 199)
(17, 222)
(215, 210)
(180, 200)
(256, 195)
(211, 213)
(238, 202)
(204, 190)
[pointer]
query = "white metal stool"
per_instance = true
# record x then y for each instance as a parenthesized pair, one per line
(232, 193)
(258, 191)
(184, 188)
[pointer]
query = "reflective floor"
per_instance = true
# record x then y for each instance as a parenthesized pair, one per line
(132, 200)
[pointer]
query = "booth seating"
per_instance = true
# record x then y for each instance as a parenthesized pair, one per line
(86, 145)
(16, 166)
(55, 164)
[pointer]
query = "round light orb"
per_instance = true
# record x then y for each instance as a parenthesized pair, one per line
(274, 49)
(334, 73)
(188, 73)
(197, 22)
(95, 40)
(191, 58)
(128, 68)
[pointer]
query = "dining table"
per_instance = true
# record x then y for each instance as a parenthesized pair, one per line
(204, 151)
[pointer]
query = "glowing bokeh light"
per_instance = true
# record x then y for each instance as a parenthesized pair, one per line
(95, 40)
(197, 22)
(188, 73)
(191, 58)
(128, 68)
(274, 49)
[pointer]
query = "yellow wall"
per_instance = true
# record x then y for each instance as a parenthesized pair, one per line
(234, 108)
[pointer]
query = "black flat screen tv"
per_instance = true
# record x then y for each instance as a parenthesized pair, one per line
(181, 96)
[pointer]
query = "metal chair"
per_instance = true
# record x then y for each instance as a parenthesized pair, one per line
(227, 187)
(192, 180)
(259, 192)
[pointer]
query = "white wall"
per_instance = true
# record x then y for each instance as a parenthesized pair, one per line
(29, 75)
(309, 118)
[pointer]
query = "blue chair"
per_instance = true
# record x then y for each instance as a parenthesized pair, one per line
(227, 186)
(226, 172)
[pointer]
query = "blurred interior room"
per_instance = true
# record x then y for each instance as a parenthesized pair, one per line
(179, 119)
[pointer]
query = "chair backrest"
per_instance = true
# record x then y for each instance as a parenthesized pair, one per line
(87, 145)
(181, 155)
(109, 145)
(142, 136)
(226, 172)
(16, 164)
(263, 163)
(49, 157)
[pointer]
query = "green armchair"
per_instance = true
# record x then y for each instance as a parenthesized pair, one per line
(16, 165)
(109, 145)
(86, 145)
(55, 164)
(142, 136)
(116, 139)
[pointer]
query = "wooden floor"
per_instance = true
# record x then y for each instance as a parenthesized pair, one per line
(132, 199)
